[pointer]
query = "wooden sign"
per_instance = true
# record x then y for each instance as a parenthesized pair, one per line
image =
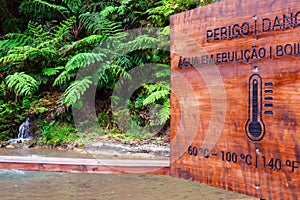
(235, 97)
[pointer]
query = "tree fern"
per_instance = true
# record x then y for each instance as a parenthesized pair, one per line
(42, 52)
(124, 61)
(22, 84)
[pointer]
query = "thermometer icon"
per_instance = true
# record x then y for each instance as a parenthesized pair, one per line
(255, 127)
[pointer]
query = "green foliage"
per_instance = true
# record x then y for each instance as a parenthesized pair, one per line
(15, 40)
(76, 90)
(58, 39)
(38, 8)
(22, 84)
(62, 32)
(52, 71)
(63, 78)
(37, 48)
(83, 60)
(56, 134)
(10, 119)
(156, 92)
(164, 113)
(73, 5)
(84, 45)
(96, 5)
(97, 23)
(105, 73)
(160, 14)
(37, 52)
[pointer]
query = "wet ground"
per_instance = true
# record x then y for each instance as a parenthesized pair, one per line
(40, 152)
(103, 149)
(39, 185)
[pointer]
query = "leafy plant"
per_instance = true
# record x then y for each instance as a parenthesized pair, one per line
(56, 51)
(22, 83)
(56, 134)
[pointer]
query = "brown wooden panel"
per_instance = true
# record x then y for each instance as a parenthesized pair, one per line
(49, 164)
(235, 99)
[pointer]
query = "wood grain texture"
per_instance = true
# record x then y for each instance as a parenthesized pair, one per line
(211, 103)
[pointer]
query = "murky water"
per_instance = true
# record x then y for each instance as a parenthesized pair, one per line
(60, 186)
(41, 185)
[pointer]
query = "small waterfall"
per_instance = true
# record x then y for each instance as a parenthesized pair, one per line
(24, 132)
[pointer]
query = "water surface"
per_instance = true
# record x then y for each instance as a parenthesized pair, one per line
(41, 185)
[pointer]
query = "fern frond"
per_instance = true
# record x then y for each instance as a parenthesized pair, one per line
(95, 23)
(150, 88)
(45, 54)
(19, 50)
(63, 29)
(63, 78)
(36, 30)
(83, 45)
(152, 98)
(94, 6)
(17, 39)
(164, 113)
(92, 40)
(83, 60)
(141, 42)
(164, 72)
(124, 61)
(109, 10)
(52, 71)
(22, 83)
(27, 54)
(160, 14)
(13, 58)
(73, 5)
(74, 92)
(111, 72)
(38, 8)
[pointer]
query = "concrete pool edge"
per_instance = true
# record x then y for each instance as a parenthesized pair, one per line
(106, 166)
